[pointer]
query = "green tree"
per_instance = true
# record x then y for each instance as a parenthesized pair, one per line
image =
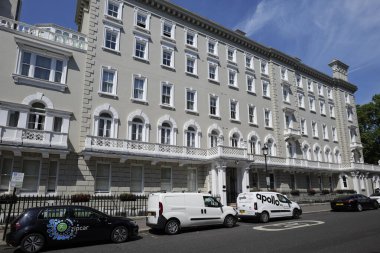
(369, 126)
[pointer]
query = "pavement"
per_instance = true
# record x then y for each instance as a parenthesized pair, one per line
(141, 220)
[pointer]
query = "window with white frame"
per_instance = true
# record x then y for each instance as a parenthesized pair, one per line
(166, 179)
(168, 29)
(312, 104)
(212, 46)
(31, 170)
(353, 135)
(192, 180)
(349, 113)
(266, 89)
(314, 129)
(299, 80)
(325, 132)
(252, 114)
(36, 117)
(141, 48)
(111, 38)
(235, 140)
(137, 179)
(347, 97)
(104, 125)
(249, 61)
(108, 84)
(13, 117)
(253, 144)
(166, 134)
(137, 129)
(5, 173)
(251, 87)
(167, 92)
(142, 19)
(46, 68)
(191, 137)
(303, 127)
(329, 93)
(114, 9)
(214, 105)
(286, 93)
(231, 54)
(288, 121)
(52, 176)
(234, 109)
(267, 118)
(232, 78)
(191, 64)
(334, 134)
(322, 107)
(191, 38)
(332, 111)
(284, 73)
(264, 67)
(103, 178)
(213, 71)
(320, 89)
(310, 85)
(57, 124)
(139, 88)
(214, 138)
(301, 100)
(167, 56)
(191, 100)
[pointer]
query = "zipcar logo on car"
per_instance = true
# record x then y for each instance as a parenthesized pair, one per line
(270, 200)
(63, 229)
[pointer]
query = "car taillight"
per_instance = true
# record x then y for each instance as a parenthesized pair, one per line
(255, 206)
(161, 208)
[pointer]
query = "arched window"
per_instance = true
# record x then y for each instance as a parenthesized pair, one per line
(137, 129)
(291, 149)
(317, 154)
(306, 152)
(328, 156)
(214, 138)
(235, 140)
(337, 156)
(253, 144)
(166, 132)
(104, 125)
(37, 117)
(190, 137)
(271, 147)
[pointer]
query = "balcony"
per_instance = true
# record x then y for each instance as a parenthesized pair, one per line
(356, 145)
(291, 133)
(101, 146)
(35, 138)
(65, 37)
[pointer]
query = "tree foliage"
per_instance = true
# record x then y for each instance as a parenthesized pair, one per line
(369, 126)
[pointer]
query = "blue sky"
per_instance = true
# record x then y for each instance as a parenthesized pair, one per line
(314, 31)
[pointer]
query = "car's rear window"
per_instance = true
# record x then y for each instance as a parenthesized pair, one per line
(49, 213)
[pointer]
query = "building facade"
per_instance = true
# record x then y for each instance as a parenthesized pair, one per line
(148, 97)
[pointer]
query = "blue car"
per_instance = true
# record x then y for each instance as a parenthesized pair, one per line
(60, 225)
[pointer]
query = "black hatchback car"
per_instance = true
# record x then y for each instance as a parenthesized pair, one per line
(355, 202)
(54, 225)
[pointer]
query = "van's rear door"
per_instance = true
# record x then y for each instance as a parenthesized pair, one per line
(152, 209)
(245, 204)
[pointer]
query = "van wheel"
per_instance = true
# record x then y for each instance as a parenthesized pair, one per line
(229, 221)
(172, 227)
(296, 214)
(264, 217)
(32, 243)
(119, 234)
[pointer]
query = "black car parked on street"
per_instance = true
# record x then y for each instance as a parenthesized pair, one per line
(355, 202)
(57, 225)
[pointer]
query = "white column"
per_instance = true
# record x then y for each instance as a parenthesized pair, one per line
(366, 184)
(355, 181)
(222, 183)
(214, 179)
(245, 179)
(3, 117)
(49, 123)
(341, 181)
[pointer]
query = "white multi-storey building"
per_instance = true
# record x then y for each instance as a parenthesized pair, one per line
(148, 96)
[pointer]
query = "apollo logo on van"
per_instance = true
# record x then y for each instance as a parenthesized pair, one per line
(271, 200)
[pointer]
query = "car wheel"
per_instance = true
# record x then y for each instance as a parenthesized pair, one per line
(32, 243)
(119, 234)
(359, 207)
(296, 214)
(376, 205)
(229, 221)
(172, 227)
(264, 217)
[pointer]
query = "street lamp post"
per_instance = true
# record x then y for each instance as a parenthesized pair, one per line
(265, 152)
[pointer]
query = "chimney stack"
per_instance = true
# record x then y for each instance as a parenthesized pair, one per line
(339, 69)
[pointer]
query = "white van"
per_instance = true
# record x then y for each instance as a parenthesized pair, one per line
(173, 211)
(266, 205)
